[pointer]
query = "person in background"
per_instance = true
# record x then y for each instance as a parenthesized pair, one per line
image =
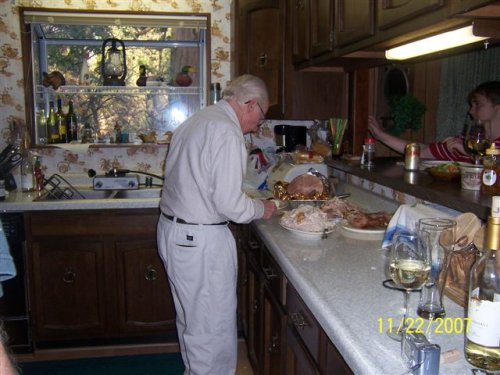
(202, 192)
(484, 106)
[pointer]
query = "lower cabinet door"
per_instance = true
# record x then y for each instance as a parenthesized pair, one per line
(254, 339)
(298, 360)
(274, 329)
(68, 296)
(144, 297)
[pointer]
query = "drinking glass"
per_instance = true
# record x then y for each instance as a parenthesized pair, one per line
(476, 141)
(410, 265)
(440, 236)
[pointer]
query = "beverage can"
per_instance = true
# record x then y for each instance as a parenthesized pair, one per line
(412, 156)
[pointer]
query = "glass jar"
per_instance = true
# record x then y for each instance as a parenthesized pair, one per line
(490, 178)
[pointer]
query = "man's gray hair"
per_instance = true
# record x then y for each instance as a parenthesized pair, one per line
(245, 88)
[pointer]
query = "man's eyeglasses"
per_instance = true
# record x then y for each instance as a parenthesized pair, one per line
(261, 121)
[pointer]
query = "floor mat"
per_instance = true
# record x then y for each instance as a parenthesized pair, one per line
(154, 364)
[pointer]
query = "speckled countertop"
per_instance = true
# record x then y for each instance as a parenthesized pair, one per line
(340, 279)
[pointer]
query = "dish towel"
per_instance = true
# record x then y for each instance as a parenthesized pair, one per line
(406, 217)
(7, 266)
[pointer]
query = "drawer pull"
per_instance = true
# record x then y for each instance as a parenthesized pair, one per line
(69, 276)
(255, 305)
(298, 320)
(275, 344)
(253, 245)
(262, 60)
(150, 274)
(269, 273)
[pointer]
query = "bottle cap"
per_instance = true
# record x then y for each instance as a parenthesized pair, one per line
(492, 150)
(370, 140)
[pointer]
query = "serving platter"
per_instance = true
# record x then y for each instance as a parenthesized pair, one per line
(363, 234)
(306, 234)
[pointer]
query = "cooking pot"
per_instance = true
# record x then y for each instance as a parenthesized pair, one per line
(288, 137)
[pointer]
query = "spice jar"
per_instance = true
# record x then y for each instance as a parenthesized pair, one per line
(368, 154)
(490, 178)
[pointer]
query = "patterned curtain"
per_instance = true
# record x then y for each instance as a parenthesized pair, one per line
(459, 75)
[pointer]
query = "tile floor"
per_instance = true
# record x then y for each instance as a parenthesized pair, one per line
(243, 367)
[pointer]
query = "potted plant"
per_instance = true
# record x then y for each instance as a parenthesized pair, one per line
(406, 113)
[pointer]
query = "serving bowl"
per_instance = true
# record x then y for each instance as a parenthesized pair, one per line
(445, 172)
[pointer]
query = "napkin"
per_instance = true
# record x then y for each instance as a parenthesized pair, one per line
(406, 217)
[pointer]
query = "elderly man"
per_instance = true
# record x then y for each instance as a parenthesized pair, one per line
(204, 174)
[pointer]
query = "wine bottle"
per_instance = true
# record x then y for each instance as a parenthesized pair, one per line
(482, 344)
(54, 136)
(41, 126)
(61, 121)
(71, 123)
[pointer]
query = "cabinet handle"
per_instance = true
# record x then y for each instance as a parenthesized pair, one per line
(150, 274)
(69, 276)
(299, 4)
(253, 245)
(262, 60)
(275, 344)
(255, 305)
(298, 320)
(269, 273)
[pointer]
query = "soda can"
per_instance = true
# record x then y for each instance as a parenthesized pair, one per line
(412, 156)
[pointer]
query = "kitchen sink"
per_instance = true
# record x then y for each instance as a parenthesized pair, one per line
(87, 193)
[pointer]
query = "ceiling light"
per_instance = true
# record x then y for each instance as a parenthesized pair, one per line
(450, 39)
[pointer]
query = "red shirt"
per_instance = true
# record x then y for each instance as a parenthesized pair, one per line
(451, 148)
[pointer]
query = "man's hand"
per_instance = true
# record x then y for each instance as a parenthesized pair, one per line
(269, 209)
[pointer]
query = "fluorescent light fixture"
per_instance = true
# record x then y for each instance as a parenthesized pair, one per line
(450, 39)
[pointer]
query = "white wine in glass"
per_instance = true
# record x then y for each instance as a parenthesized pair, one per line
(410, 267)
(476, 141)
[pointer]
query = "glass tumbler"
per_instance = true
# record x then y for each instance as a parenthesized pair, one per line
(440, 234)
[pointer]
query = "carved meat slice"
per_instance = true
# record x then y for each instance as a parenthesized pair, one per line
(306, 184)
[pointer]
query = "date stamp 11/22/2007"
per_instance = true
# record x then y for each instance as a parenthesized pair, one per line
(439, 326)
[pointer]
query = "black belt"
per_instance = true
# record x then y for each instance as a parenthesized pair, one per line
(180, 221)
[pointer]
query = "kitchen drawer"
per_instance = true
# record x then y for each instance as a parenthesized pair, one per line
(304, 322)
(273, 276)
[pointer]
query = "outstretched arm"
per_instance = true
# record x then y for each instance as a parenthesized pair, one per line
(396, 143)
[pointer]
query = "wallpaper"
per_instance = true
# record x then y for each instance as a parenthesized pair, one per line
(80, 159)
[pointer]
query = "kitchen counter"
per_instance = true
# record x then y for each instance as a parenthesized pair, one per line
(388, 172)
(18, 201)
(340, 280)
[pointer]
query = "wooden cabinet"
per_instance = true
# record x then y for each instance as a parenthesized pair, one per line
(260, 38)
(312, 28)
(266, 319)
(354, 23)
(394, 12)
(322, 26)
(96, 275)
(283, 336)
(144, 300)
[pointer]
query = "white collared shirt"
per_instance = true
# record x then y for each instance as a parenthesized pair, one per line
(205, 168)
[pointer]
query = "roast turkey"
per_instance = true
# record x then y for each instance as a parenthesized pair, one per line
(306, 184)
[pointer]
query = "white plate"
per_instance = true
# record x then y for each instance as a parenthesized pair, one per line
(306, 234)
(363, 234)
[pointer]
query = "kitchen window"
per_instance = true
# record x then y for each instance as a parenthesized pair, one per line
(170, 50)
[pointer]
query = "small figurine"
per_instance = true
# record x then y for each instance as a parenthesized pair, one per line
(141, 81)
(54, 79)
(183, 78)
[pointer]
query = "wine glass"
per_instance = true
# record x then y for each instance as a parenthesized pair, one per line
(410, 266)
(476, 141)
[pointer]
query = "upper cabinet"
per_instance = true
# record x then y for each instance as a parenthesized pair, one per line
(260, 39)
(394, 12)
(354, 23)
(312, 28)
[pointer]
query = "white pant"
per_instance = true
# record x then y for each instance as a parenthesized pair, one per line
(201, 264)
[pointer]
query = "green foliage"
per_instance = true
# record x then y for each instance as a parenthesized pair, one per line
(406, 112)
